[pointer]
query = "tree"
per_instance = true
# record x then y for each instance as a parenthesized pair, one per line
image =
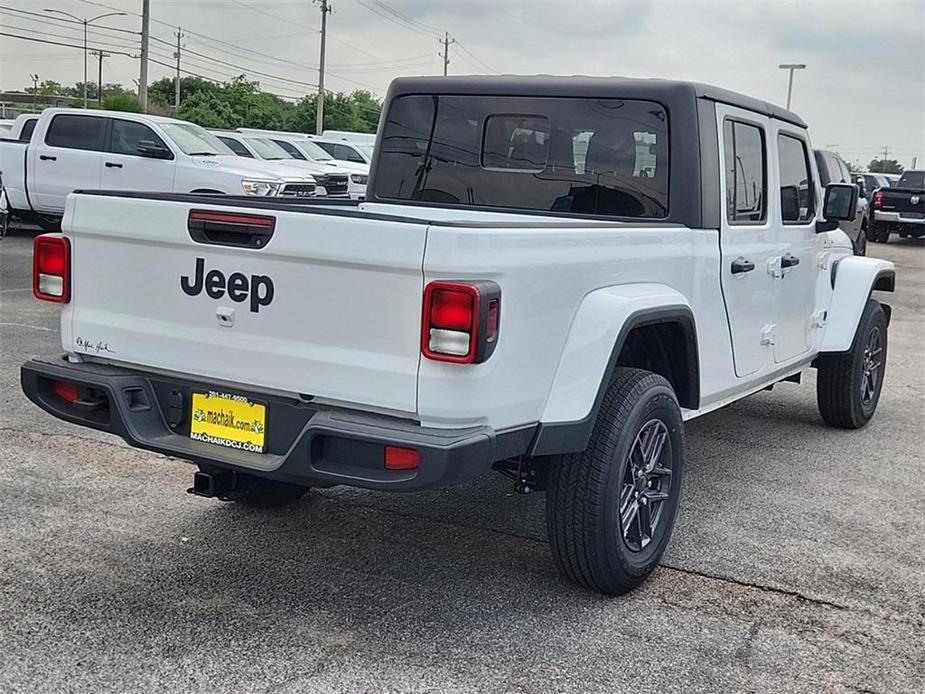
(48, 88)
(163, 91)
(301, 117)
(209, 111)
(890, 166)
(121, 102)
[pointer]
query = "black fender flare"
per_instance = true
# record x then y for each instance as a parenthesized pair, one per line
(553, 438)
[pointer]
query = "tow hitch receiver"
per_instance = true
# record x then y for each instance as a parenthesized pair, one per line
(213, 484)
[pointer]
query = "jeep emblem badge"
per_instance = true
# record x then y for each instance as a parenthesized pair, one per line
(258, 289)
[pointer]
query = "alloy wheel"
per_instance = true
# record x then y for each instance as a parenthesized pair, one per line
(646, 485)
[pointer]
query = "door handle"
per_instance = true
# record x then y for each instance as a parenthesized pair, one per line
(113, 165)
(47, 157)
(740, 265)
(789, 261)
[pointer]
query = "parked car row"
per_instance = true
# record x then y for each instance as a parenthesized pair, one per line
(339, 178)
(46, 156)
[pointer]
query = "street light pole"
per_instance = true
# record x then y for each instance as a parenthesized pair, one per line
(791, 67)
(35, 91)
(85, 22)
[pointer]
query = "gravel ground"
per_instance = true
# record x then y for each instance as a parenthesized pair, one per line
(797, 562)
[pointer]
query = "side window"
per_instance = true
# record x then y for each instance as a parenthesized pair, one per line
(797, 198)
(75, 132)
(291, 149)
(236, 147)
(843, 167)
(27, 129)
(350, 154)
(746, 172)
(127, 134)
(329, 148)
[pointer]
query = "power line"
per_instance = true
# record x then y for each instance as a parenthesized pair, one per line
(411, 20)
(47, 17)
(476, 58)
(270, 14)
(395, 20)
(58, 43)
(105, 44)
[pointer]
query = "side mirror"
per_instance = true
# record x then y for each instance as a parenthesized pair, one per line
(840, 204)
(862, 189)
(155, 150)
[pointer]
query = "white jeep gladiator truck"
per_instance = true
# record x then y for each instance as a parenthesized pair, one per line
(548, 278)
(72, 149)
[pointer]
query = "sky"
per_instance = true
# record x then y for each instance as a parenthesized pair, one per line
(863, 88)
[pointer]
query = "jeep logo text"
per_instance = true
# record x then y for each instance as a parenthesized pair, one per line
(259, 288)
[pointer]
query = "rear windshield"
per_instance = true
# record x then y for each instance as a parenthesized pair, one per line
(563, 155)
(912, 179)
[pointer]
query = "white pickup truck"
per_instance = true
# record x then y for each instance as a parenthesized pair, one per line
(549, 277)
(88, 149)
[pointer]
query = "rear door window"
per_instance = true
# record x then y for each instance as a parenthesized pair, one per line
(797, 192)
(27, 129)
(76, 132)
(602, 157)
(912, 179)
(746, 186)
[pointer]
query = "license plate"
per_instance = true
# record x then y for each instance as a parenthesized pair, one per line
(228, 420)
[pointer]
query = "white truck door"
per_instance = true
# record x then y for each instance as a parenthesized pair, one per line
(67, 158)
(124, 168)
(748, 237)
(795, 202)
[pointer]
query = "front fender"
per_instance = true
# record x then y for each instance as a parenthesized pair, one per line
(853, 280)
(604, 318)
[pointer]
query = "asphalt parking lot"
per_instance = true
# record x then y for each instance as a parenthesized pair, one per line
(797, 562)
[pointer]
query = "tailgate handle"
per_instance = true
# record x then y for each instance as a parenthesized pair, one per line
(235, 229)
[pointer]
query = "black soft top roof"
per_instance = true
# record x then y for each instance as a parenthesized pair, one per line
(593, 87)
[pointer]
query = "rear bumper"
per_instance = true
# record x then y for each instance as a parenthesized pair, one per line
(306, 444)
(897, 218)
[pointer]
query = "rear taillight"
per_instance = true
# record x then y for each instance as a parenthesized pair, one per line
(878, 199)
(461, 321)
(51, 268)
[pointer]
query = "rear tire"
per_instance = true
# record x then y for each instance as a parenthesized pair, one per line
(848, 385)
(48, 224)
(882, 232)
(610, 508)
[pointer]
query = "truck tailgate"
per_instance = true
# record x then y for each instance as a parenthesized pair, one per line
(328, 307)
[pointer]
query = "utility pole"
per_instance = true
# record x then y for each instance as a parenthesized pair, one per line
(176, 82)
(145, 33)
(35, 92)
(319, 107)
(99, 83)
(446, 51)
